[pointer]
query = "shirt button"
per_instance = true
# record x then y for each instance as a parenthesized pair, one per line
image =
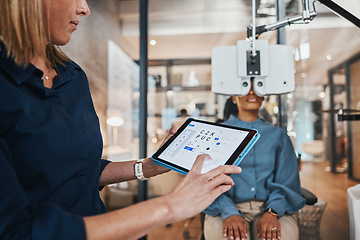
(252, 189)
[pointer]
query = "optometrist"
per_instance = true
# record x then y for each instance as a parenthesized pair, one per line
(50, 142)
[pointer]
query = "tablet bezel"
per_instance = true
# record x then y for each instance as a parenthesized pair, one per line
(236, 156)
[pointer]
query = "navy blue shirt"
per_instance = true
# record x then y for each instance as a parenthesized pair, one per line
(270, 174)
(50, 153)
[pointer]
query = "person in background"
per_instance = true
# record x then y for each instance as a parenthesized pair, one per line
(182, 116)
(51, 146)
(267, 193)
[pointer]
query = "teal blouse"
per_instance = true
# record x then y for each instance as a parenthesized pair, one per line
(269, 173)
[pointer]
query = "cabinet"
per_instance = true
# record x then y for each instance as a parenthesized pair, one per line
(178, 88)
(176, 85)
(181, 84)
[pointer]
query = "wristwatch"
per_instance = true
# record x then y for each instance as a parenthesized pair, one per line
(272, 212)
(138, 170)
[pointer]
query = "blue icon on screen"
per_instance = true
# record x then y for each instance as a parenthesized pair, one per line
(189, 148)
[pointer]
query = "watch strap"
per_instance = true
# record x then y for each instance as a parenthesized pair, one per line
(138, 166)
(272, 212)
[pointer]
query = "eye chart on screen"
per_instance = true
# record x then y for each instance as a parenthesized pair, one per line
(198, 137)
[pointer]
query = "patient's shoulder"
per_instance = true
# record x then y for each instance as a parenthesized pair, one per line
(273, 129)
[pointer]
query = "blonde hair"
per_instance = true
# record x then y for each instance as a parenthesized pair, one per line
(22, 30)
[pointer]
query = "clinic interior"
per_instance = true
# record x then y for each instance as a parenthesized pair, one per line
(181, 35)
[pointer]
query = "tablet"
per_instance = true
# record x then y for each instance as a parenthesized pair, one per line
(225, 144)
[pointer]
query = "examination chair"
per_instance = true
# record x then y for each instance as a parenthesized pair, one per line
(309, 216)
(304, 218)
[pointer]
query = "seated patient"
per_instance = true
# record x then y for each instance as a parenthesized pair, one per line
(267, 192)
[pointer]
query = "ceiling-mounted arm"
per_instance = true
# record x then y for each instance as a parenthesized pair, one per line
(253, 54)
(306, 17)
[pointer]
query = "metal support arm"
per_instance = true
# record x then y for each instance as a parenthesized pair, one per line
(280, 24)
(347, 117)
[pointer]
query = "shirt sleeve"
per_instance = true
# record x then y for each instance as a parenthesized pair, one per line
(20, 219)
(285, 191)
(224, 206)
(103, 164)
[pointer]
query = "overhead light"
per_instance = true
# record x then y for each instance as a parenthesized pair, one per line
(322, 94)
(329, 57)
(115, 121)
(303, 75)
(152, 42)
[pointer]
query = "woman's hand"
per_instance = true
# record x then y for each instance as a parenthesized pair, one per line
(191, 195)
(268, 227)
(235, 227)
(197, 191)
(171, 133)
(152, 169)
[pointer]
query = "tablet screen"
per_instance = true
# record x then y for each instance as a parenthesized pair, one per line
(223, 143)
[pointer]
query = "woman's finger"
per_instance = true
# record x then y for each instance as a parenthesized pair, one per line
(198, 164)
(220, 180)
(223, 169)
(171, 132)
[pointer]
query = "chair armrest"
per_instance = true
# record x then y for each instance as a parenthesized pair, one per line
(311, 199)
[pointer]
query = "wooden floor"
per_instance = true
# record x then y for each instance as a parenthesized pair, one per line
(332, 187)
(325, 185)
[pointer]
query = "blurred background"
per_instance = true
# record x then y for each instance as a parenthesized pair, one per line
(181, 36)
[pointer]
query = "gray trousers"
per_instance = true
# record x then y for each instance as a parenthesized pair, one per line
(252, 210)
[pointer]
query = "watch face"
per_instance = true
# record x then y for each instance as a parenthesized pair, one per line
(272, 212)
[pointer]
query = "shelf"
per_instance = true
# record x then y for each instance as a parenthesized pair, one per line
(201, 115)
(173, 62)
(184, 88)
